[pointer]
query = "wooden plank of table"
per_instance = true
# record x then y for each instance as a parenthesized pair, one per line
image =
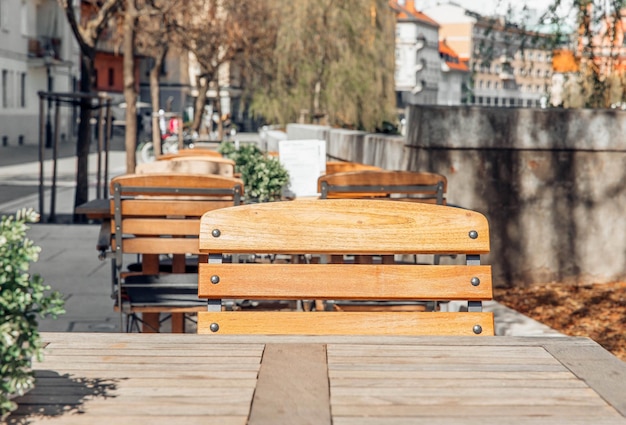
(489, 384)
(602, 371)
(292, 387)
(128, 379)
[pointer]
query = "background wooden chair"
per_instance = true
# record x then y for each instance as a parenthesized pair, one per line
(189, 165)
(345, 226)
(156, 217)
(409, 186)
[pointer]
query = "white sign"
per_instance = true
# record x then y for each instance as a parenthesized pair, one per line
(305, 160)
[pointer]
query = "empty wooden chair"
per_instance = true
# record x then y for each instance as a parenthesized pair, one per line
(344, 226)
(157, 218)
(189, 165)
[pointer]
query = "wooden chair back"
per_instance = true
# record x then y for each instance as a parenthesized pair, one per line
(344, 226)
(333, 167)
(398, 185)
(157, 216)
(200, 165)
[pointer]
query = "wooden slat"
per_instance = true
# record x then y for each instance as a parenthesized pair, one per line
(160, 246)
(189, 153)
(174, 180)
(189, 165)
(293, 386)
(345, 281)
(278, 228)
(169, 207)
(384, 178)
(333, 167)
(161, 226)
(346, 323)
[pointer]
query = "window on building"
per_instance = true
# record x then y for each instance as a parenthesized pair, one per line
(95, 77)
(497, 85)
(512, 101)
(488, 84)
(23, 90)
(504, 101)
(529, 103)
(488, 100)
(5, 87)
(480, 84)
(24, 18)
(111, 77)
(540, 57)
(480, 100)
(495, 101)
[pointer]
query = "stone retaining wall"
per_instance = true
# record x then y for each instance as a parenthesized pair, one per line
(551, 182)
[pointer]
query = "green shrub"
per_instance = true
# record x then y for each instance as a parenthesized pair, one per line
(263, 176)
(23, 297)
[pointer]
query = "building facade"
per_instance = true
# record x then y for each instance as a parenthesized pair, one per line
(418, 66)
(509, 65)
(37, 53)
(454, 77)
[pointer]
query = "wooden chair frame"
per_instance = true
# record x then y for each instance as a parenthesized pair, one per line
(345, 226)
(158, 215)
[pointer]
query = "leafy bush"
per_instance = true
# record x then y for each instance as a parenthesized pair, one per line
(263, 176)
(22, 298)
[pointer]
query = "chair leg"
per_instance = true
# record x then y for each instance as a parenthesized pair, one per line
(178, 323)
(150, 322)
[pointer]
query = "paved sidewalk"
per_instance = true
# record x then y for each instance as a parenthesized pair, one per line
(69, 260)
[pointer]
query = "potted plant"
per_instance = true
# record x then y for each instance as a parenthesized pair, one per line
(23, 297)
(264, 177)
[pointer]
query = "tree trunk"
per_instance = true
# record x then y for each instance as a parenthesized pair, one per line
(155, 94)
(199, 106)
(130, 95)
(218, 109)
(84, 136)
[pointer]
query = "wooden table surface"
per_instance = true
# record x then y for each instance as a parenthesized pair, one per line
(198, 379)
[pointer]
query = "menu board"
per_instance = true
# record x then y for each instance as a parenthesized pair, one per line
(305, 160)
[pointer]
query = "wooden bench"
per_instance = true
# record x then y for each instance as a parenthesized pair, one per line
(345, 226)
(157, 218)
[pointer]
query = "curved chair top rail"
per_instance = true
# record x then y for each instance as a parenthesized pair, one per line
(323, 226)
